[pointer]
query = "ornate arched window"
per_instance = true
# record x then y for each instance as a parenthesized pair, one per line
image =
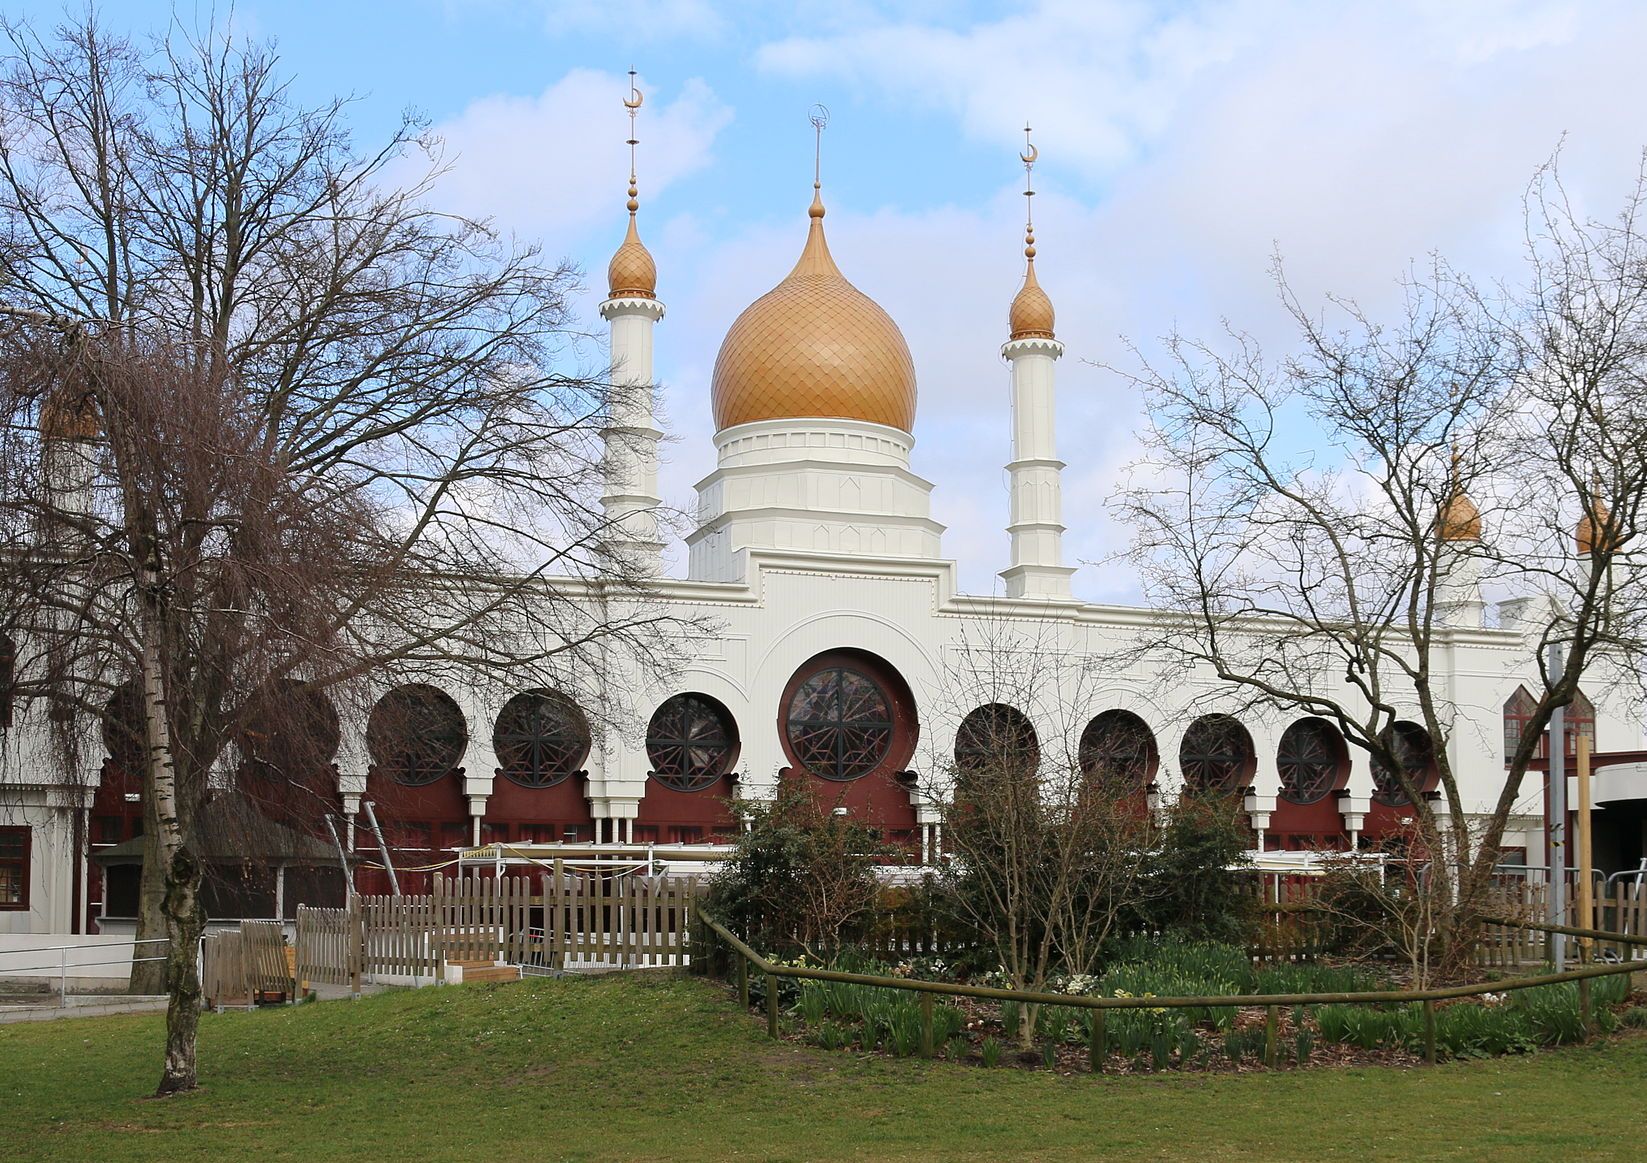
(1415, 753)
(691, 741)
(294, 730)
(541, 738)
(1518, 711)
(1312, 760)
(996, 738)
(416, 734)
(1119, 749)
(839, 722)
(1217, 755)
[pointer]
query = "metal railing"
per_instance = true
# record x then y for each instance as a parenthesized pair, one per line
(63, 964)
(1271, 1003)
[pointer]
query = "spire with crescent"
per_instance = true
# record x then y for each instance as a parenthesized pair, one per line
(1031, 316)
(632, 274)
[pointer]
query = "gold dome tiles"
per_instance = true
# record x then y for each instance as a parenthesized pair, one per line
(814, 347)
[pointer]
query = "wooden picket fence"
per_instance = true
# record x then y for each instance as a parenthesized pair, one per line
(244, 965)
(558, 919)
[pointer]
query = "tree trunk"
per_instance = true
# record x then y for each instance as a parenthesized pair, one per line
(149, 977)
(184, 923)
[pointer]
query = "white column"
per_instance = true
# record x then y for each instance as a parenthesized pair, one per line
(630, 498)
(1037, 529)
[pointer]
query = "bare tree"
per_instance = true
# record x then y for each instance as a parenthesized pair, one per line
(1048, 847)
(1320, 527)
(269, 419)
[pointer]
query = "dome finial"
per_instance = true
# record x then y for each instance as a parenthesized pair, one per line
(632, 273)
(1459, 519)
(1031, 316)
(818, 115)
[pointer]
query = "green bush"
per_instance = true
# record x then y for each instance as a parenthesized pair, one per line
(1636, 1017)
(799, 877)
(1192, 884)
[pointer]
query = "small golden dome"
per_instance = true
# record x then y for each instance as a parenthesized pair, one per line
(632, 274)
(814, 346)
(1460, 520)
(1592, 530)
(63, 416)
(1031, 316)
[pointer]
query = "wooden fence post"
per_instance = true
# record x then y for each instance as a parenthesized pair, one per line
(771, 1005)
(1429, 1032)
(1272, 1036)
(1100, 1046)
(743, 980)
(926, 1025)
(1584, 1011)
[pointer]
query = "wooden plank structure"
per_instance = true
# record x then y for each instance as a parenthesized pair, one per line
(246, 965)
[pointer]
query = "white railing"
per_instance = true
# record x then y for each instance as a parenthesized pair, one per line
(60, 965)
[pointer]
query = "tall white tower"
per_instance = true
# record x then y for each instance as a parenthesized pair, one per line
(1037, 528)
(1458, 526)
(631, 309)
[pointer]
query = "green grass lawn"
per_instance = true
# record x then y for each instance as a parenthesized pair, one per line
(658, 1068)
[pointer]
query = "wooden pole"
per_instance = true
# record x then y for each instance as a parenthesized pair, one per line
(771, 1005)
(1586, 888)
(1429, 1032)
(926, 1025)
(1272, 1036)
(1100, 1048)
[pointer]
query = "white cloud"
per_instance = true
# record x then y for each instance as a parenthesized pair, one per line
(547, 166)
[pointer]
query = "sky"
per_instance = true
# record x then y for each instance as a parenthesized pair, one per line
(1182, 147)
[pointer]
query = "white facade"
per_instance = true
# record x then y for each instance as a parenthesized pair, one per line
(815, 536)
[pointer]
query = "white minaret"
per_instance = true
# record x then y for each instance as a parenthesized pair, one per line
(631, 309)
(1038, 569)
(1458, 526)
(70, 432)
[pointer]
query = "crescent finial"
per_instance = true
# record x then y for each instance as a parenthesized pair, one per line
(1029, 158)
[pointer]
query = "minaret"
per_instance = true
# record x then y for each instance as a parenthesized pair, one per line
(1598, 532)
(1037, 530)
(1458, 527)
(631, 309)
(70, 431)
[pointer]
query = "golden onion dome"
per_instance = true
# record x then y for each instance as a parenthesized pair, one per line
(65, 416)
(1031, 316)
(632, 274)
(1460, 520)
(1592, 530)
(814, 346)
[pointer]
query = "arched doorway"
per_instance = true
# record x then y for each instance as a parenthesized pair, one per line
(848, 721)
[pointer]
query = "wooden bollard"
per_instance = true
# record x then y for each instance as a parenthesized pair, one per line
(1585, 1013)
(743, 980)
(771, 1005)
(1272, 1036)
(1099, 1049)
(926, 1025)
(1429, 1032)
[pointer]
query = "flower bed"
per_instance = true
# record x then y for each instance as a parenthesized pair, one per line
(838, 1015)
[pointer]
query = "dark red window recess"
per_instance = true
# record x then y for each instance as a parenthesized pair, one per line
(1118, 750)
(416, 734)
(541, 738)
(840, 723)
(691, 741)
(14, 868)
(1217, 756)
(1313, 761)
(997, 738)
(1415, 753)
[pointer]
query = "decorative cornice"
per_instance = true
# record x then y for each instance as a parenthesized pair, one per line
(1012, 349)
(631, 305)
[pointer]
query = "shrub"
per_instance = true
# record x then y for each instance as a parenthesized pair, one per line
(1192, 884)
(800, 876)
(1636, 1017)
(990, 1052)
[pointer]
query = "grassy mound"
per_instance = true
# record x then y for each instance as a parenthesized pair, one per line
(647, 1068)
